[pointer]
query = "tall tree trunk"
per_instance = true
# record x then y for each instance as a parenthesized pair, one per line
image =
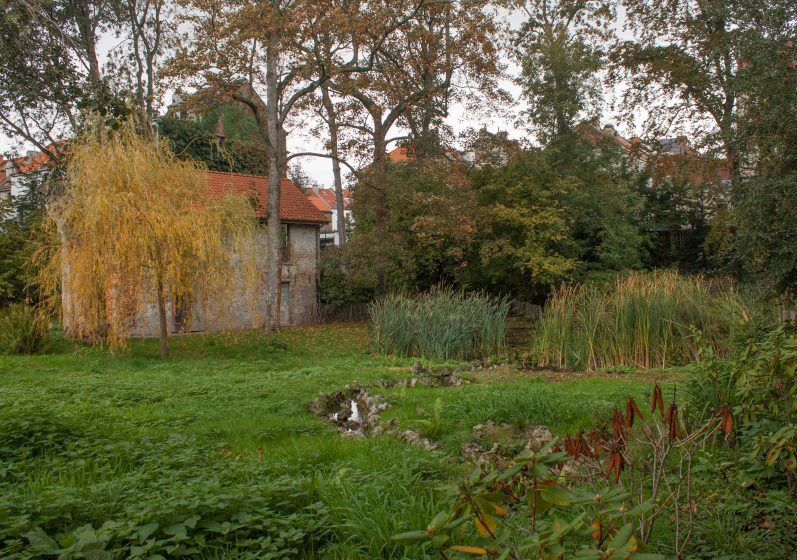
(277, 166)
(164, 332)
(87, 32)
(332, 123)
(380, 210)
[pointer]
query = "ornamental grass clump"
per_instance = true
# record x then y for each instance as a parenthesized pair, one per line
(441, 324)
(23, 329)
(641, 320)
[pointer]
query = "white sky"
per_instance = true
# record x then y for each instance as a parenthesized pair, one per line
(320, 169)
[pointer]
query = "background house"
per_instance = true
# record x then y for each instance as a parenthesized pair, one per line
(324, 201)
(20, 174)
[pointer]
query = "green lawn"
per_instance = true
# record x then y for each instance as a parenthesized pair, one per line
(130, 452)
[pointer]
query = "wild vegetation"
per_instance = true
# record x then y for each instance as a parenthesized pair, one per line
(23, 329)
(638, 320)
(215, 454)
(615, 487)
(442, 324)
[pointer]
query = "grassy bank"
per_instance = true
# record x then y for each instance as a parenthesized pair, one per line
(132, 453)
(214, 454)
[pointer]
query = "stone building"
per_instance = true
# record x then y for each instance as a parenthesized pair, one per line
(239, 306)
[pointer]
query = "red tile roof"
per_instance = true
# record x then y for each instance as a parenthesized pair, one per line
(294, 205)
(328, 195)
(327, 199)
(401, 153)
(319, 201)
(23, 164)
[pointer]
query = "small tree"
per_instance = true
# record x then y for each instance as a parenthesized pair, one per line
(136, 226)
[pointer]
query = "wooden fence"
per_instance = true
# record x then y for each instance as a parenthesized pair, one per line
(352, 312)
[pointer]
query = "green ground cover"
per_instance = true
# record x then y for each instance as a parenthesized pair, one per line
(131, 453)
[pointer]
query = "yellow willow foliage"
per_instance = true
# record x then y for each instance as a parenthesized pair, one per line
(132, 216)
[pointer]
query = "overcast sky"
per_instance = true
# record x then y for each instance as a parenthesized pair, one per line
(320, 169)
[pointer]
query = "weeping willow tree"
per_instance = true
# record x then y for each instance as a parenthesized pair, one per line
(138, 229)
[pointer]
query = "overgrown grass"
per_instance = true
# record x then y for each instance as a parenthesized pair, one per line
(442, 324)
(114, 452)
(23, 330)
(642, 320)
(89, 438)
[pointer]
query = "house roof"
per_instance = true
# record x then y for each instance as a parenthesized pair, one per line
(34, 161)
(594, 134)
(407, 153)
(319, 201)
(401, 153)
(294, 205)
(328, 195)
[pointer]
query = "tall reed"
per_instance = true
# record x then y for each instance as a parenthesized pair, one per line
(642, 320)
(441, 324)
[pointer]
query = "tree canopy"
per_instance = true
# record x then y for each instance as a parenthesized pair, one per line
(136, 227)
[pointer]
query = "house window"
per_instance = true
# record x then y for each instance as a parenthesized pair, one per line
(286, 242)
(326, 241)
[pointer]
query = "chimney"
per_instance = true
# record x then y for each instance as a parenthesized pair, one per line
(221, 135)
(609, 129)
(683, 144)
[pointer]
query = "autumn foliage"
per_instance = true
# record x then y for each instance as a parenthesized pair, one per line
(135, 227)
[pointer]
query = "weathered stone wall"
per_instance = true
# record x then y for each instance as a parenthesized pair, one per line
(301, 269)
(240, 305)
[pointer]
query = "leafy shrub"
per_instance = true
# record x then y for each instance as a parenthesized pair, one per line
(339, 283)
(23, 330)
(591, 522)
(710, 387)
(759, 383)
(767, 393)
(640, 320)
(441, 324)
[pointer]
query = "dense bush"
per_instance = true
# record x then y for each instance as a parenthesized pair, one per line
(765, 372)
(339, 285)
(640, 320)
(759, 383)
(23, 330)
(441, 324)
